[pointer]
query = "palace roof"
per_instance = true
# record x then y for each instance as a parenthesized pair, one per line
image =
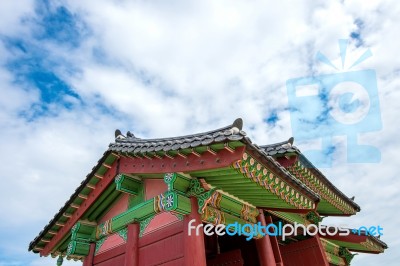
(276, 177)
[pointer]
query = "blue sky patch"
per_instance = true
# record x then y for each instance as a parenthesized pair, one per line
(32, 67)
(272, 118)
(356, 34)
(58, 24)
(35, 67)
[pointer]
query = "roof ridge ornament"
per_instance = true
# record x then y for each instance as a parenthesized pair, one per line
(118, 135)
(238, 123)
(289, 143)
(130, 134)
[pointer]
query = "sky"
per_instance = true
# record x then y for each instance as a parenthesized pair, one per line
(71, 72)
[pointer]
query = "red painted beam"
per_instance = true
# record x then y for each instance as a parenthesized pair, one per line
(132, 246)
(275, 245)
(321, 248)
(192, 162)
(89, 258)
(194, 250)
(264, 247)
(92, 196)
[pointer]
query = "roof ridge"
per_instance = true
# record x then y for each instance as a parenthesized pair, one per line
(238, 123)
(289, 141)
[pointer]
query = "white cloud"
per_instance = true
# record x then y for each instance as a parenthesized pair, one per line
(11, 14)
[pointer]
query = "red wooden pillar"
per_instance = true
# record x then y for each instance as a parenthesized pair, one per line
(264, 247)
(275, 245)
(89, 258)
(194, 250)
(132, 245)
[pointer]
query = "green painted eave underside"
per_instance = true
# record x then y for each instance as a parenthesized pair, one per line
(62, 245)
(229, 180)
(352, 246)
(290, 217)
(326, 192)
(101, 205)
(326, 208)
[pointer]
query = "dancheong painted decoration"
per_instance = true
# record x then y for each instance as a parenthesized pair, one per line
(155, 202)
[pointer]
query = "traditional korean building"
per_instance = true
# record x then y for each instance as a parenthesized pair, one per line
(137, 204)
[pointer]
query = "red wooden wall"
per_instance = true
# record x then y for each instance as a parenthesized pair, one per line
(161, 244)
(162, 247)
(304, 253)
(112, 257)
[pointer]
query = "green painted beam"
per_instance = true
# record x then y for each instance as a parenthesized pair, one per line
(232, 206)
(335, 260)
(215, 216)
(127, 184)
(78, 248)
(330, 247)
(83, 232)
(177, 182)
(169, 201)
